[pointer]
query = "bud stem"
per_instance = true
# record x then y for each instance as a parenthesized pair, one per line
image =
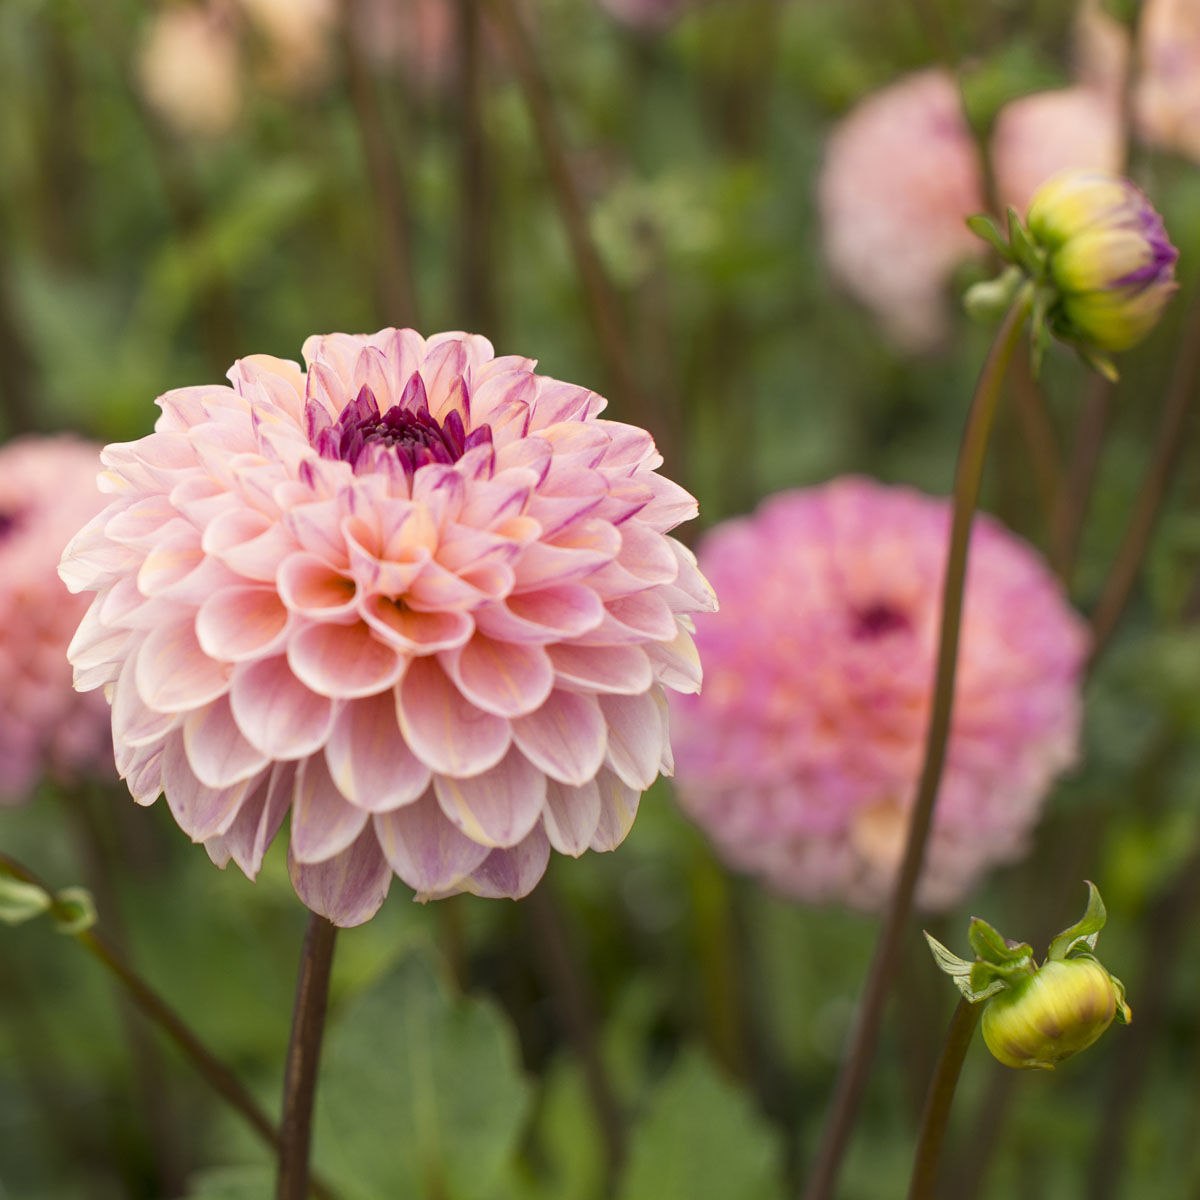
(856, 1065)
(939, 1098)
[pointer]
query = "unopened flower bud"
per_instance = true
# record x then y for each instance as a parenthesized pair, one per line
(1108, 258)
(1048, 1016)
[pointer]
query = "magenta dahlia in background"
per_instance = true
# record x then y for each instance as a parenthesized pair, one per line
(801, 758)
(47, 490)
(419, 597)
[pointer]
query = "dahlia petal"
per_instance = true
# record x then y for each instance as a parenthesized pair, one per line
(498, 389)
(566, 738)
(505, 678)
(91, 559)
(218, 754)
(201, 812)
(413, 632)
(497, 807)
(445, 731)
(487, 504)
(95, 651)
(343, 661)
(512, 873)
(425, 849)
(324, 390)
(248, 543)
(564, 497)
(369, 760)
(437, 589)
(621, 670)
(133, 724)
(637, 619)
(276, 713)
(182, 408)
(257, 822)
(141, 769)
(557, 401)
(192, 589)
(582, 549)
(548, 615)
(318, 529)
(240, 623)
(281, 378)
(671, 506)
(347, 889)
(173, 673)
(571, 816)
(173, 558)
(142, 522)
(443, 364)
(324, 822)
(441, 490)
(310, 586)
(636, 733)
(628, 446)
(618, 808)
(676, 663)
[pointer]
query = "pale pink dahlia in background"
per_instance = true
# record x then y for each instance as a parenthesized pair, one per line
(47, 489)
(1167, 97)
(420, 597)
(901, 175)
(802, 756)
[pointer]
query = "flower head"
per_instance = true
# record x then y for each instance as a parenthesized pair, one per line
(802, 756)
(1167, 96)
(47, 489)
(418, 596)
(1108, 257)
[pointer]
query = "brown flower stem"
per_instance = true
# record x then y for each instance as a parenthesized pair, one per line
(1071, 504)
(940, 1097)
(969, 474)
(1181, 391)
(219, 1077)
(477, 300)
(395, 279)
(303, 1058)
(566, 977)
(600, 294)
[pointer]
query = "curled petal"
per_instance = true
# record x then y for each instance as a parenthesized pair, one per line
(347, 889)
(425, 849)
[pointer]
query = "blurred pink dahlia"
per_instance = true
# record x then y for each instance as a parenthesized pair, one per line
(801, 758)
(47, 489)
(420, 597)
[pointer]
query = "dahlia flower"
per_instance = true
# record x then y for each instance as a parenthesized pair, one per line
(1167, 97)
(188, 69)
(802, 757)
(418, 596)
(47, 488)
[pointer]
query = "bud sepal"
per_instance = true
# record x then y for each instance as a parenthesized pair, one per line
(1036, 1016)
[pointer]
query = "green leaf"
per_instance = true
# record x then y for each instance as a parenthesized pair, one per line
(421, 1093)
(976, 980)
(1085, 931)
(21, 901)
(984, 227)
(702, 1140)
(991, 945)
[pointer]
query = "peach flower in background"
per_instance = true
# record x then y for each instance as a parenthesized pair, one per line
(647, 14)
(420, 597)
(300, 39)
(188, 69)
(900, 177)
(47, 488)
(801, 758)
(1167, 97)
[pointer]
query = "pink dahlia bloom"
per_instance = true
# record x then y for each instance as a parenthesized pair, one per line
(801, 759)
(419, 597)
(47, 489)
(1167, 98)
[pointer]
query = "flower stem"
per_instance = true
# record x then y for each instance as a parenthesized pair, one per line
(219, 1077)
(304, 1055)
(968, 477)
(1181, 392)
(938, 1101)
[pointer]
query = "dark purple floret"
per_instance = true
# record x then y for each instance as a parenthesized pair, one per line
(8, 522)
(407, 432)
(879, 620)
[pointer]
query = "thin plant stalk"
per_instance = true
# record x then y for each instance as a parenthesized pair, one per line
(600, 294)
(857, 1063)
(304, 1057)
(214, 1072)
(939, 1099)
(1181, 392)
(395, 277)
(1071, 504)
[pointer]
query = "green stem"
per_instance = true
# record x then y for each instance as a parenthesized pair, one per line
(304, 1057)
(222, 1080)
(940, 1097)
(856, 1066)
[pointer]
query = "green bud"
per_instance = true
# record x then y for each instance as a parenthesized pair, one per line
(1050, 1015)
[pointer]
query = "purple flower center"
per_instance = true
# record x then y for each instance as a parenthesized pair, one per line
(879, 620)
(407, 433)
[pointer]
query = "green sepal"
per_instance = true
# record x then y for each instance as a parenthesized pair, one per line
(993, 948)
(988, 300)
(1100, 363)
(75, 910)
(1124, 1012)
(21, 901)
(1081, 936)
(1025, 251)
(1039, 336)
(983, 226)
(975, 985)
